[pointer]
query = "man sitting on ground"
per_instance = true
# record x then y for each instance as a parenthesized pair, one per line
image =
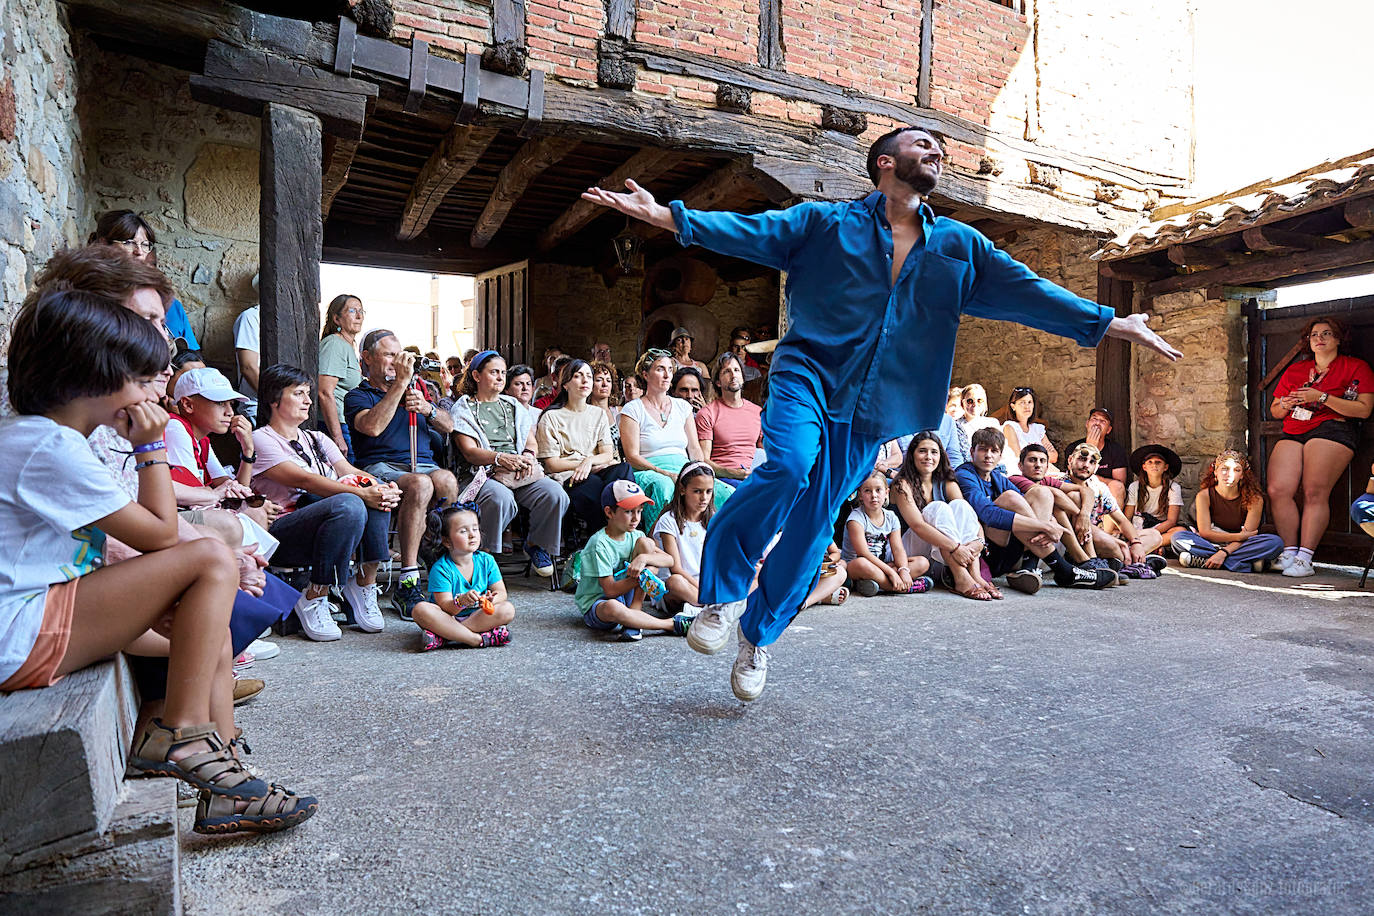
(1132, 550)
(1021, 530)
(378, 413)
(1115, 461)
(730, 429)
(1073, 504)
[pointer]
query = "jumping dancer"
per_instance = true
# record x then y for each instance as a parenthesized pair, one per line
(875, 290)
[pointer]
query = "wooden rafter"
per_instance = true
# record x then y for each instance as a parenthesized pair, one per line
(1262, 271)
(457, 153)
(338, 160)
(526, 165)
(1360, 213)
(644, 166)
(1197, 256)
(1271, 238)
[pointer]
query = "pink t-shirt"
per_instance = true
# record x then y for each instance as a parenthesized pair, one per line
(732, 431)
(273, 448)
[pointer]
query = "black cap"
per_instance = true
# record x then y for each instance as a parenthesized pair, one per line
(1105, 412)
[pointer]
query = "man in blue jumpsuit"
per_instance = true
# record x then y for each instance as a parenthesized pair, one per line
(875, 291)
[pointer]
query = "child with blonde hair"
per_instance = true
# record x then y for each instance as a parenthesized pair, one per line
(873, 552)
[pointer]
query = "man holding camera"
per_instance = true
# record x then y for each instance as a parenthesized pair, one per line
(379, 413)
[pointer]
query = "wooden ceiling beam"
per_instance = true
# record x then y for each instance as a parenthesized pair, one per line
(1271, 238)
(455, 156)
(1360, 213)
(1266, 270)
(1133, 271)
(644, 166)
(338, 155)
(716, 191)
(1197, 256)
(525, 166)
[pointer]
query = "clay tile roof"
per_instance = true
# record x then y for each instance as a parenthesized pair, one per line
(1258, 204)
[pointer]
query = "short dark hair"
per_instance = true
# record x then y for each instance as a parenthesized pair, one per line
(187, 356)
(102, 270)
(886, 145)
(516, 370)
(120, 226)
(685, 371)
(272, 382)
(988, 437)
(1034, 447)
(95, 344)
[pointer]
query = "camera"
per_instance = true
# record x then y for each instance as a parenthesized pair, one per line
(425, 364)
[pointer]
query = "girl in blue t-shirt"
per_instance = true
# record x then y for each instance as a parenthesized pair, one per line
(458, 584)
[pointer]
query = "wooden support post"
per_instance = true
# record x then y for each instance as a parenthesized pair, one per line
(770, 34)
(927, 51)
(525, 166)
(508, 52)
(620, 19)
(291, 235)
(1114, 358)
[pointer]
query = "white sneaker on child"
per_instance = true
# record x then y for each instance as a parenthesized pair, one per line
(316, 618)
(363, 600)
(711, 629)
(750, 671)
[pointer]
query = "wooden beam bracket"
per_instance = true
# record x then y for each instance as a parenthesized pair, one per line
(455, 156)
(472, 86)
(344, 46)
(534, 108)
(525, 166)
(644, 166)
(419, 75)
(1272, 238)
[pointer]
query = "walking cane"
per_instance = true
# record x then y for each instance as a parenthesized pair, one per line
(414, 455)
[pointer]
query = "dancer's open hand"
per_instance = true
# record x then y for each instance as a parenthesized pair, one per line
(1135, 329)
(638, 203)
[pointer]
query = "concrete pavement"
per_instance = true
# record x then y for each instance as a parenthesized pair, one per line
(1199, 743)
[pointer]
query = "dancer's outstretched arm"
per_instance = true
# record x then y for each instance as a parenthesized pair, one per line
(639, 204)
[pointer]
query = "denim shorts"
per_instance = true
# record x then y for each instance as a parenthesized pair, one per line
(595, 622)
(389, 472)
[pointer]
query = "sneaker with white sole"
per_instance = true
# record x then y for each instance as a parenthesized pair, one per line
(1299, 568)
(262, 649)
(1191, 560)
(317, 618)
(363, 600)
(1283, 561)
(750, 670)
(1027, 581)
(710, 631)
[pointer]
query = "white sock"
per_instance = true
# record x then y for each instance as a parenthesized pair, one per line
(1304, 554)
(1289, 553)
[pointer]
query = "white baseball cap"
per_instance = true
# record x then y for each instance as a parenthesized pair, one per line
(208, 383)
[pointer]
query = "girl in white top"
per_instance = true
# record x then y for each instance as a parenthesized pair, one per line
(681, 532)
(1021, 432)
(658, 435)
(873, 550)
(1154, 499)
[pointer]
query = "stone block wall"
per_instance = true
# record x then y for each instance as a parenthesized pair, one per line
(190, 169)
(43, 205)
(573, 308)
(1001, 356)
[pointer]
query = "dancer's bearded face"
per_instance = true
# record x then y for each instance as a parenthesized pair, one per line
(919, 168)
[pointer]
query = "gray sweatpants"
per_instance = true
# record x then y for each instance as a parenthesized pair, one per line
(545, 498)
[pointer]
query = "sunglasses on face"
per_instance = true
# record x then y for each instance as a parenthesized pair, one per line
(237, 502)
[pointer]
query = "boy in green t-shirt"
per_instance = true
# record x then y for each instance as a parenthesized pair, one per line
(609, 604)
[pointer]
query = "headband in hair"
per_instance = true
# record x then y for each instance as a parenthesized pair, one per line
(480, 359)
(693, 466)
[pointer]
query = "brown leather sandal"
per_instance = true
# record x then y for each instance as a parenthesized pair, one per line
(278, 810)
(216, 771)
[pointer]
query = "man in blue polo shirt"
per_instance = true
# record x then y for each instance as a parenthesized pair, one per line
(875, 291)
(378, 414)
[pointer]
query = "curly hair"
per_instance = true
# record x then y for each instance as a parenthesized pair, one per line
(1250, 490)
(603, 367)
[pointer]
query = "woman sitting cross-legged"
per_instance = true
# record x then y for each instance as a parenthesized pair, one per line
(331, 515)
(659, 435)
(573, 440)
(941, 525)
(1229, 506)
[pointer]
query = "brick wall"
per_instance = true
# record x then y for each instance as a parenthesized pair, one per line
(453, 26)
(726, 29)
(563, 36)
(977, 44)
(870, 47)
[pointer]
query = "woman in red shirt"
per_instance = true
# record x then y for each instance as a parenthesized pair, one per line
(1320, 401)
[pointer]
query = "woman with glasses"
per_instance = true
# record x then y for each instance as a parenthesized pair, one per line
(340, 371)
(659, 435)
(1320, 398)
(333, 511)
(131, 232)
(1020, 431)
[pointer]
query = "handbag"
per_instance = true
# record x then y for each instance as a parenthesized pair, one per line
(511, 481)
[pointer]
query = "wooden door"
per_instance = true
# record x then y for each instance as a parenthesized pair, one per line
(1273, 335)
(502, 312)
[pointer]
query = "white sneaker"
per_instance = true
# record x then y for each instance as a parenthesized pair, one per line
(750, 671)
(316, 619)
(262, 649)
(711, 629)
(1299, 568)
(363, 600)
(1284, 561)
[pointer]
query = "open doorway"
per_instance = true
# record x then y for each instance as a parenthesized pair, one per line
(433, 311)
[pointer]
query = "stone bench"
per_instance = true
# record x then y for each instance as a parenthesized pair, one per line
(75, 837)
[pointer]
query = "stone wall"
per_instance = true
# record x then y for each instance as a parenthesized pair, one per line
(42, 203)
(573, 308)
(1001, 356)
(191, 170)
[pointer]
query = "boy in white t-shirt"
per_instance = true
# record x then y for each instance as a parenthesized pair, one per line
(59, 609)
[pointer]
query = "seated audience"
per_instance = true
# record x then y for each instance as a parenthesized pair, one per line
(1321, 399)
(681, 532)
(1362, 509)
(830, 585)
(630, 389)
(749, 368)
(611, 604)
(495, 434)
(340, 370)
(544, 385)
(519, 385)
(1154, 500)
(1229, 508)
(1021, 431)
(379, 413)
(954, 403)
(1020, 529)
(332, 515)
(1114, 461)
(658, 434)
(573, 440)
(61, 608)
(131, 233)
(1073, 505)
(681, 345)
(689, 385)
(873, 553)
(605, 382)
(459, 582)
(541, 402)
(941, 525)
(601, 353)
(729, 429)
(974, 417)
(1134, 550)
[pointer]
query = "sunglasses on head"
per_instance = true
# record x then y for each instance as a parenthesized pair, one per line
(237, 502)
(1022, 392)
(659, 353)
